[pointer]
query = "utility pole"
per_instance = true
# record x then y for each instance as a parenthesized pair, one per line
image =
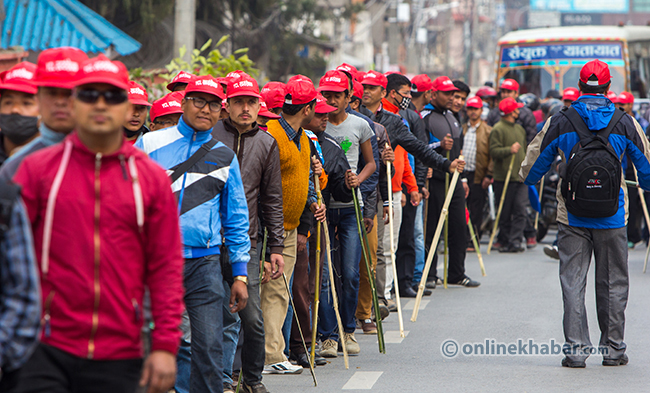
(184, 27)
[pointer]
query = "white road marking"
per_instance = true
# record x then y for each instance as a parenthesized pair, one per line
(393, 337)
(411, 304)
(363, 380)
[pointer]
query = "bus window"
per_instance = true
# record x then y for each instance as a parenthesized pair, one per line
(572, 76)
(537, 81)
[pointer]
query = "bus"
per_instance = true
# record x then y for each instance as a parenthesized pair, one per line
(551, 58)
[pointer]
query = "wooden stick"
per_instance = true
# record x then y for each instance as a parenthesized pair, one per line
(541, 192)
(503, 198)
(432, 249)
(317, 284)
(426, 213)
(645, 213)
(304, 345)
(476, 245)
(446, 237)
(392, 248)
(335, 300)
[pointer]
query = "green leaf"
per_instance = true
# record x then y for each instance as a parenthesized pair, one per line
(206, 45)
(182, 51)
(239, 51)
(222, 40)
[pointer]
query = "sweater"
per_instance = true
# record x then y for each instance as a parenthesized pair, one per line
(294, 167)
(503, 135)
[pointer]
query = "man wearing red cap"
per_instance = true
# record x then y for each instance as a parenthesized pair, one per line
(298, 194)
(443, 128)
(207, 181)
(165, 112)
(478, 170)
(592, 224)
(18, 109)
(273, 95)
(56, 70)
(569, 95)
(507, 139)
(257, 151)
(264, 115)
(510, 88)
(95, 202)
(180, 81)
(421, 91)
(134, 125)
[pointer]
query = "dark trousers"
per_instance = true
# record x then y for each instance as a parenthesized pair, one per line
(513, 214)
(476, 203)
(54, 371)
(405, 256)
(9, 381)
(457, 229)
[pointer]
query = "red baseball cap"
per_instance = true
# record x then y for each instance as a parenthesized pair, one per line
(570, 93)
(273, 94)
(358, 90)
(167, 105)
(421, 83)
(101, 70)
(486, 91)
(625, 98)
(612, 96)
(374, 78)
(138, 94)
(474, 102)
(301, 89)
(205, 84)
(509, 84)
(264, 111)
(20, 78)
(58, 67)
(348, 69)
(243, 86)
(508, 105)
(181, 77)
(322, 106)
(443, 83)
(595, 73)
(335, 81)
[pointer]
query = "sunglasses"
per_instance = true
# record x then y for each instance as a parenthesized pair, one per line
(111, 97)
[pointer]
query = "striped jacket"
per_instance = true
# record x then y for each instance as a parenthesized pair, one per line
(210, 194)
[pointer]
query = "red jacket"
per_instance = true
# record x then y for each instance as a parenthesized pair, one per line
(114, 230)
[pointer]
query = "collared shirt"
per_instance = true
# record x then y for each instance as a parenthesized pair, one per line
(19, 293)
(295, 137)
(469, 147)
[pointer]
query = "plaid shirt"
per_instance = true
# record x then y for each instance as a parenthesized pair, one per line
(469, 148)
(295, 137)
(20, 294)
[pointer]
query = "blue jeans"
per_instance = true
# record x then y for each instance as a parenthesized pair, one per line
(200, 362)
(419, 245)
(250, 318)
(342, 222)
(286, 327)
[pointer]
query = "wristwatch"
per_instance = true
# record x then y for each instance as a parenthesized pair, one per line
(243, 279)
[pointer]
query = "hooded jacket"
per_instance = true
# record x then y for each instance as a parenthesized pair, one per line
(439, 123)
(559, 137)
(105, 227)
(210, 194)
(258, 155)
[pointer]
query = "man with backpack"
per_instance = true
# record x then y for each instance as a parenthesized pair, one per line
(591, 135)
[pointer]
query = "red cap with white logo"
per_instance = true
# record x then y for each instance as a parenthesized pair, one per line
(243, 86)
(101, 70)
(299, 91)
(374, 78)
(20, 78)
(421, 83)
(273, 94)
(570, 94)
(474, 102)
(138, 94)
(58, 67)
(181, 77)
(335, 81)
(625, 98)
(508, 105)
(443, 83)
(322, 106)
(358, 90)
(264, 111)
(509, 84)
(205, 84)
(612, 96)
(167, 105)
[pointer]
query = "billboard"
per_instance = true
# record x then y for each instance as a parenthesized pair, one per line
(527, 53)
(583, 6)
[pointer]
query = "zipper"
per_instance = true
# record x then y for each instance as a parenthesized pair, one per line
(46, 315)
(136, 310)
(97, 249)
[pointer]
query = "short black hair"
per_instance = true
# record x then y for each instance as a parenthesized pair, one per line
(591, 89)
(462, 86)
(553, 94)
(395, 81)
(417, 94)
(291, 109)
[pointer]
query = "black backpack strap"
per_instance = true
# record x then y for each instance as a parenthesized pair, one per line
(616, 117)
(185, 166)
(8, 195)
(585, 134)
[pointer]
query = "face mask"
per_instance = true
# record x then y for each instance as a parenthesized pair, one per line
(131, 134)
(18, 128)
(405, 102)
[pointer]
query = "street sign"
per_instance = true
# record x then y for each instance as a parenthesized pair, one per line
(543, 19)
(581, 19)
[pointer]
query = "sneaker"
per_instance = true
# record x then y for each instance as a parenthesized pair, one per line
(319, 360)
(513, 248)
(228, 388)
(573, 363)
(552, 252)
(282, 368)
(351, 344)
(426, 292)
(368, 326)
(630, 245)
(531, 242)
(431, 284)
(466, 282)
(497, 245)
(328, 349)
(300, 359)
(254, 388)
(384, 312)
(392, 306)
(622, 361)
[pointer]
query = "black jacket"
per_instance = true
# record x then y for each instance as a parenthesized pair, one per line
(526, 119)
(439, 123)
(416, 124)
